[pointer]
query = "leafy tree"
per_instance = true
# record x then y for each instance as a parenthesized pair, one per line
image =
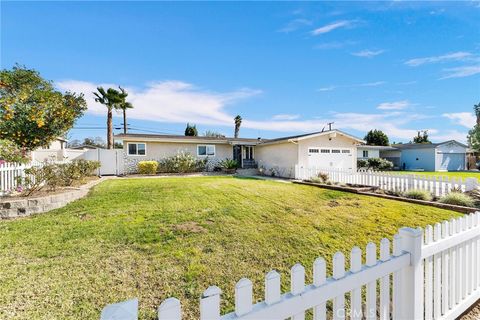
(32, 113)
(112, 99)
(124, 105)
(191, 130)
(474, 134)
(238, 123)
(214, 134)
(376, 138)
(10, 152)
(422, 137)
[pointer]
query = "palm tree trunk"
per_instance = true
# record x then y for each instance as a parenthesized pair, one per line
(109, 129)
(125, 121)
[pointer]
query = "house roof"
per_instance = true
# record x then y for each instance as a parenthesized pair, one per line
(313, 135)
(85, 146)
(185, 139)
(426, 145)
(369, 147)
(227, 140)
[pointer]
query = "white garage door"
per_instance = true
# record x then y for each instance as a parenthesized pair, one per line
(339, 158)
(452, 161)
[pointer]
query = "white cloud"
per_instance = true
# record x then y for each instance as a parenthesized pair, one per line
(456, 56)
(466, 119)
(397, 105)
(286, 117)
(332, 26)
(334, 44)
(370, 84)
(449, 135)
(329, 88)
(181, 102)
(368, 53)
(461, 72)
(168, 101)
(295, 25)
(366, 84)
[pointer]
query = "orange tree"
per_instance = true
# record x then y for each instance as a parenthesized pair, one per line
(32, 112)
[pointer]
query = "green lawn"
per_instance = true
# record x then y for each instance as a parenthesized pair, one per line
(455, 174)
(157, 238)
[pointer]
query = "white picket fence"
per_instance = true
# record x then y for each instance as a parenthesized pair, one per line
(431, 275)
(437, 185)
(9, 172)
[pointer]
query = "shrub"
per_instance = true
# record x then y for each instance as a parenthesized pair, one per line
(182, 162)
(379, 164)
(228, 164)
(458, 198)
(418, 194)
(321, 178)
(147, 167)
(51, 175)
(361, 163)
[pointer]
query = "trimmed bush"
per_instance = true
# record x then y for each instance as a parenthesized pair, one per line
(418, 195)
(228, 164)
(147, 167)
(182, 162)
(458, 198)
(379, 164)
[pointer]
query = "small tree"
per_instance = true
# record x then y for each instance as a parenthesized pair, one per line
(238, 123)
(474, 134)
(191, 130)
(214, 134)
(422, 137)
(32, 113)
(376, 138)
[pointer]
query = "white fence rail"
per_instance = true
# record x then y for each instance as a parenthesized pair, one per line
(10, 172)
(437, 185)
(431, 275)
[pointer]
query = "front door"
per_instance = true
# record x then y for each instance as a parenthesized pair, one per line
(237, 154)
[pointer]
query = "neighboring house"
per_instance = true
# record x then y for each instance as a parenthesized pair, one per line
(85, 147)
(326, 149)
(56, 151)
(385, 152)
(445, 156)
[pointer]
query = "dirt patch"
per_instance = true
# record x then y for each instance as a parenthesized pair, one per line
(473, 314)
(333, 203)
(189, 227)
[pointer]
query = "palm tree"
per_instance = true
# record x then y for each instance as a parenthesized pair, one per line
(238, 123)
(111, 99)
(124, 105)
(476, 107)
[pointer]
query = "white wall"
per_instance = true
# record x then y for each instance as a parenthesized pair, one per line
(282, 156)
(372, 153)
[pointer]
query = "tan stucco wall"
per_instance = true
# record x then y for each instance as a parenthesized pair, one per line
(160, 150)
(282, 156)
(324, 142)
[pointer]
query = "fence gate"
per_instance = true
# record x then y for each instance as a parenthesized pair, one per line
(112, 162)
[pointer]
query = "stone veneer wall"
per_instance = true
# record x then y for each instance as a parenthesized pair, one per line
(131, 163)
(16, 208)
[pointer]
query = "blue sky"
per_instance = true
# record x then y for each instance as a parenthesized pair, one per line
(285, 67)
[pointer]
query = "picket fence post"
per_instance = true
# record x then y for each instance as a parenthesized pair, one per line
(411, 291)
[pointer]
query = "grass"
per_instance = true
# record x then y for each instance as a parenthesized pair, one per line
(453, 174)
(157, 238)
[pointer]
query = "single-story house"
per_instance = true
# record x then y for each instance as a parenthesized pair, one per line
(324, 149)
(444, 156)
(392, 154)
(56, 151)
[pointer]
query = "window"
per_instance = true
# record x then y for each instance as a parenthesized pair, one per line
(205, 150)
(313, 150)
(137, 149)
(325, 151)
(345, 151)
(365, 153)
(335, 151)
